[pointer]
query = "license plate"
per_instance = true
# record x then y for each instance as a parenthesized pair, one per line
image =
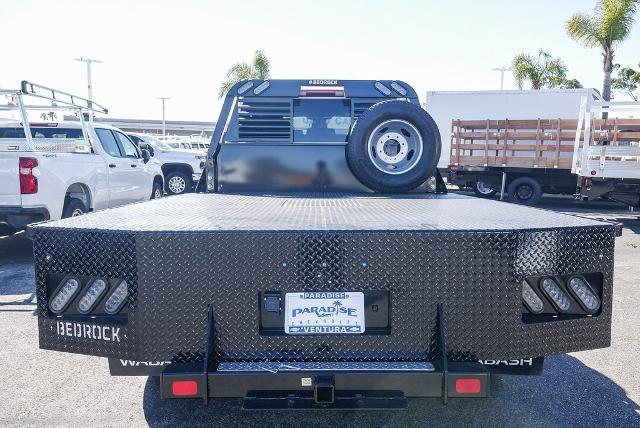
(324, 312)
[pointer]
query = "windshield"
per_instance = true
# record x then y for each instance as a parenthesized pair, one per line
(154, 142)
(162, 145)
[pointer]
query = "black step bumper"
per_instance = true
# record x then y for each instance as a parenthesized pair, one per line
(342, 388)
(20, 217)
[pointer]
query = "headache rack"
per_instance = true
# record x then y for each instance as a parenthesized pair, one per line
(59, 101)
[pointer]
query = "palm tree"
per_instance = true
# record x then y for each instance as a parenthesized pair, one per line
(49, 116)
(542, 71)
(609, 25)
(258, 69)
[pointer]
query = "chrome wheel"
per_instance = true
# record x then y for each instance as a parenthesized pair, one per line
(177, 184)
(157, 193)
(483, 189)
(395, 146)
(77, 212)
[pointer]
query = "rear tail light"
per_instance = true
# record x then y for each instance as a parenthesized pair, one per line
(555, 293)
(532, 301)
(115, 302)
(28, 181)
(63, 295)
(584, 293)
(92, 295)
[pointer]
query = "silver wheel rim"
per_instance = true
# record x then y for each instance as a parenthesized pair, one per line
(157, 194)
(483, 188)
(177, 184)
(77, 212)
(395, 147)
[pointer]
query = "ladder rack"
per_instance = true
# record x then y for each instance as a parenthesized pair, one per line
(60, 100)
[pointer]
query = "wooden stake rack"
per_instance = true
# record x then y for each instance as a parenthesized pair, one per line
(531, 143)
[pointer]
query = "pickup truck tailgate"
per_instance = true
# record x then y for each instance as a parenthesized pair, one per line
(9, 180)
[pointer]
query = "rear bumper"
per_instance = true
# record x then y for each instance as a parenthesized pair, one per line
(20, 217)
(341, 388)
(338, 384)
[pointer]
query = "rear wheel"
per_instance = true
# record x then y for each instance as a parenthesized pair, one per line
(73, 207)
(177, 183)
(525, 191)
(480, 188)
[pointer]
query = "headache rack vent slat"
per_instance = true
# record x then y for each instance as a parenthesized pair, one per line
(260, 119)
(360, 107)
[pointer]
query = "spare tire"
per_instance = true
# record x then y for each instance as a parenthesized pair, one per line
(394, 146)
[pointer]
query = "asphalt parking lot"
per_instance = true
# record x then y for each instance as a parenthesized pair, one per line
(592, 388)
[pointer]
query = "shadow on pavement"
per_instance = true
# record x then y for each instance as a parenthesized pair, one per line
(568, 394)
(17, 276)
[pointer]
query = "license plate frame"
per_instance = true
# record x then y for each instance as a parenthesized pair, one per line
(324, 313)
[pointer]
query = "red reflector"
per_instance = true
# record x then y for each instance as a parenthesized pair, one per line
(593, 172)
(468, 386)
(184, 387)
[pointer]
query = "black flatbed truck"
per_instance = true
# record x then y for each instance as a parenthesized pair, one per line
(212, 283)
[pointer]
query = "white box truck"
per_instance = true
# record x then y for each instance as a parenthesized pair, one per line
(519, 142)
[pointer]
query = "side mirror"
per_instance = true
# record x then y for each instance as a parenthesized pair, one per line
(146, 155)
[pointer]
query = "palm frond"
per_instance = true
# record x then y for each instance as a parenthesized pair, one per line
(615, 18)
(259, 69)
(580, 27)
(240, 70)
(225, 86)
(260, 65)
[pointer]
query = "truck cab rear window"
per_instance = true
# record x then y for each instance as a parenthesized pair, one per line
(64, 133)
(321, 120)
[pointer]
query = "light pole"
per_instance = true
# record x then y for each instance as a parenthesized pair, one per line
(89, 61)
(502, 70)
(164, 128)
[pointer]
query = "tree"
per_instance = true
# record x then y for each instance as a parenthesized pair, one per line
(49, 116)
(258, 69)
(628, 81)
(542, 71)
(609, 25)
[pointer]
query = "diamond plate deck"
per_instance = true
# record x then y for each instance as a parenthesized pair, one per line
(258, 212)
(181, 254)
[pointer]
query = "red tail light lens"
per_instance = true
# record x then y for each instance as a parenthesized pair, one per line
(468, 386)
(28, 181)
(184, 388)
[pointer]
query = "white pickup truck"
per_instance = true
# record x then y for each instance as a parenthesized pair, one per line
(182, 168)
(52, 170)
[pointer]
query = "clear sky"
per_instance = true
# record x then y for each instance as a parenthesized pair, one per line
(182, 49)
